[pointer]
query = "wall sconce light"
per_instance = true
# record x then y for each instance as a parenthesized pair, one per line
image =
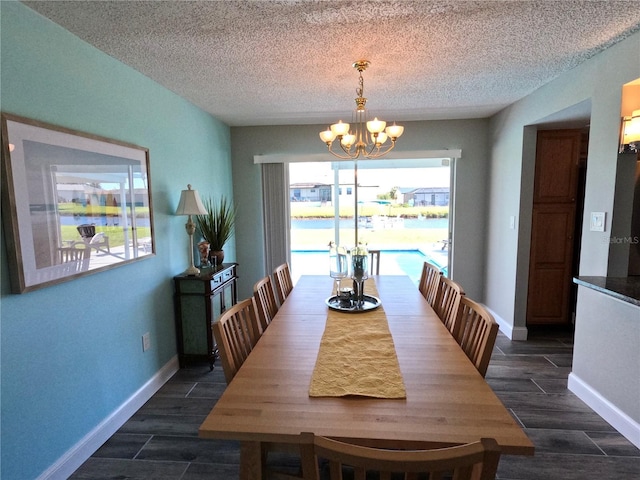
(190, 204)
(630, 133)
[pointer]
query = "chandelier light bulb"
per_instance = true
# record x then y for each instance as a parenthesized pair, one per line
(327, 136)
(379, 138)
(348, 140)
(339, 129)
(394, 131)
(375, 125)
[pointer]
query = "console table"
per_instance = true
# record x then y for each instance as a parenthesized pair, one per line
(196, 307)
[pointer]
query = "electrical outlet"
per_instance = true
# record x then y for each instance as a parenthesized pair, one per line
(146, 342)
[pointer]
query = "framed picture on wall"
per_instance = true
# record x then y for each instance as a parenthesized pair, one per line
(72, 203)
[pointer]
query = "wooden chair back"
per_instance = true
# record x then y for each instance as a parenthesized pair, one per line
(236, 333)
(283, 282)
(429, 281)
(265, 301)
(473, 461)
(447, 302)
(375, 262)
(477, 333)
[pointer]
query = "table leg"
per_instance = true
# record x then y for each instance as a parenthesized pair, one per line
(250, 461)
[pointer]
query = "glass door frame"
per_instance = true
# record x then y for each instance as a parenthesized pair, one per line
(416, 155)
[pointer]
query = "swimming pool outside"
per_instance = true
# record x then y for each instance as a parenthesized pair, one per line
(392, 262)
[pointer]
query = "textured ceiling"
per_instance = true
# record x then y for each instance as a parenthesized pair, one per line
(289, 61)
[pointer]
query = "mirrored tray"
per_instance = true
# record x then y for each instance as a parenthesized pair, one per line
(370, 303)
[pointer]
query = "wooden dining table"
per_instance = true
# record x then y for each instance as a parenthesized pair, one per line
(447, 401)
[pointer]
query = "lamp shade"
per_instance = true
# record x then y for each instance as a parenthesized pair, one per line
(375, 125)
(327, 136)
(632, 128)
(190, 203)
(394, 131)
(340, 128)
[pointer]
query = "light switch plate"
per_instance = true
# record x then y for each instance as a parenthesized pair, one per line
(146, 342)
(597, 221)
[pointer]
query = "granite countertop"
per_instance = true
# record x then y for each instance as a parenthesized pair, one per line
(626, 289)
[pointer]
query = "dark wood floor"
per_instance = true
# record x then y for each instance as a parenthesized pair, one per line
(572, 442)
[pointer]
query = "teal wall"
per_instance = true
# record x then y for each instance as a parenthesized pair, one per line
(71, 354)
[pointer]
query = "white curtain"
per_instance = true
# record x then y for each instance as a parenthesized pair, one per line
(276, 213)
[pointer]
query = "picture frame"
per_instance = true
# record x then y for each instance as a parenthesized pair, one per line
(73, 203)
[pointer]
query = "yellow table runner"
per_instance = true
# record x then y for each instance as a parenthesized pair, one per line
(357, 356)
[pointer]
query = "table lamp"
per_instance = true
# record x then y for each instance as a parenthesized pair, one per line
(190, 204)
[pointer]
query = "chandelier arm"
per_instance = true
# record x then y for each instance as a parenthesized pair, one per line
(348, 151)
(378, 152)
(343, 157)
(374, 152)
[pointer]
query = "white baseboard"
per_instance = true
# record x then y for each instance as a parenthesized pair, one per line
(513, 333)
(79, 453)
(619, 420)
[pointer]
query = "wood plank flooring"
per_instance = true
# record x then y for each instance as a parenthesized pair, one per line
(572, 442)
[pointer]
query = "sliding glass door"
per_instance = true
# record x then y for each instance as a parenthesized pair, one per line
(403, 210)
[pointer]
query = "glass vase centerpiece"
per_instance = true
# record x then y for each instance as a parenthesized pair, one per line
(359, 272)
(339, 265)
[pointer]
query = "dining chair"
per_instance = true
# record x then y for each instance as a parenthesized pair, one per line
(236, 333)
(265, 301)
(429, 281)
(375, 262)
(473, 461)
(283, 282)
(477, 332)
(447, 303)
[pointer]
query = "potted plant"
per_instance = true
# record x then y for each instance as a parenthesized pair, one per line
(217, 225)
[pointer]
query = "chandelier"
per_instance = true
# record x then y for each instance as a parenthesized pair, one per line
(369, 138)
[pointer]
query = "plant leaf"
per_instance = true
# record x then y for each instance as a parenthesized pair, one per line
(218, 224)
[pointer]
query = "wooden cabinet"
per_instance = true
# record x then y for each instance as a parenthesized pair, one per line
(557, 159)
(198, 301)
(550, 273)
